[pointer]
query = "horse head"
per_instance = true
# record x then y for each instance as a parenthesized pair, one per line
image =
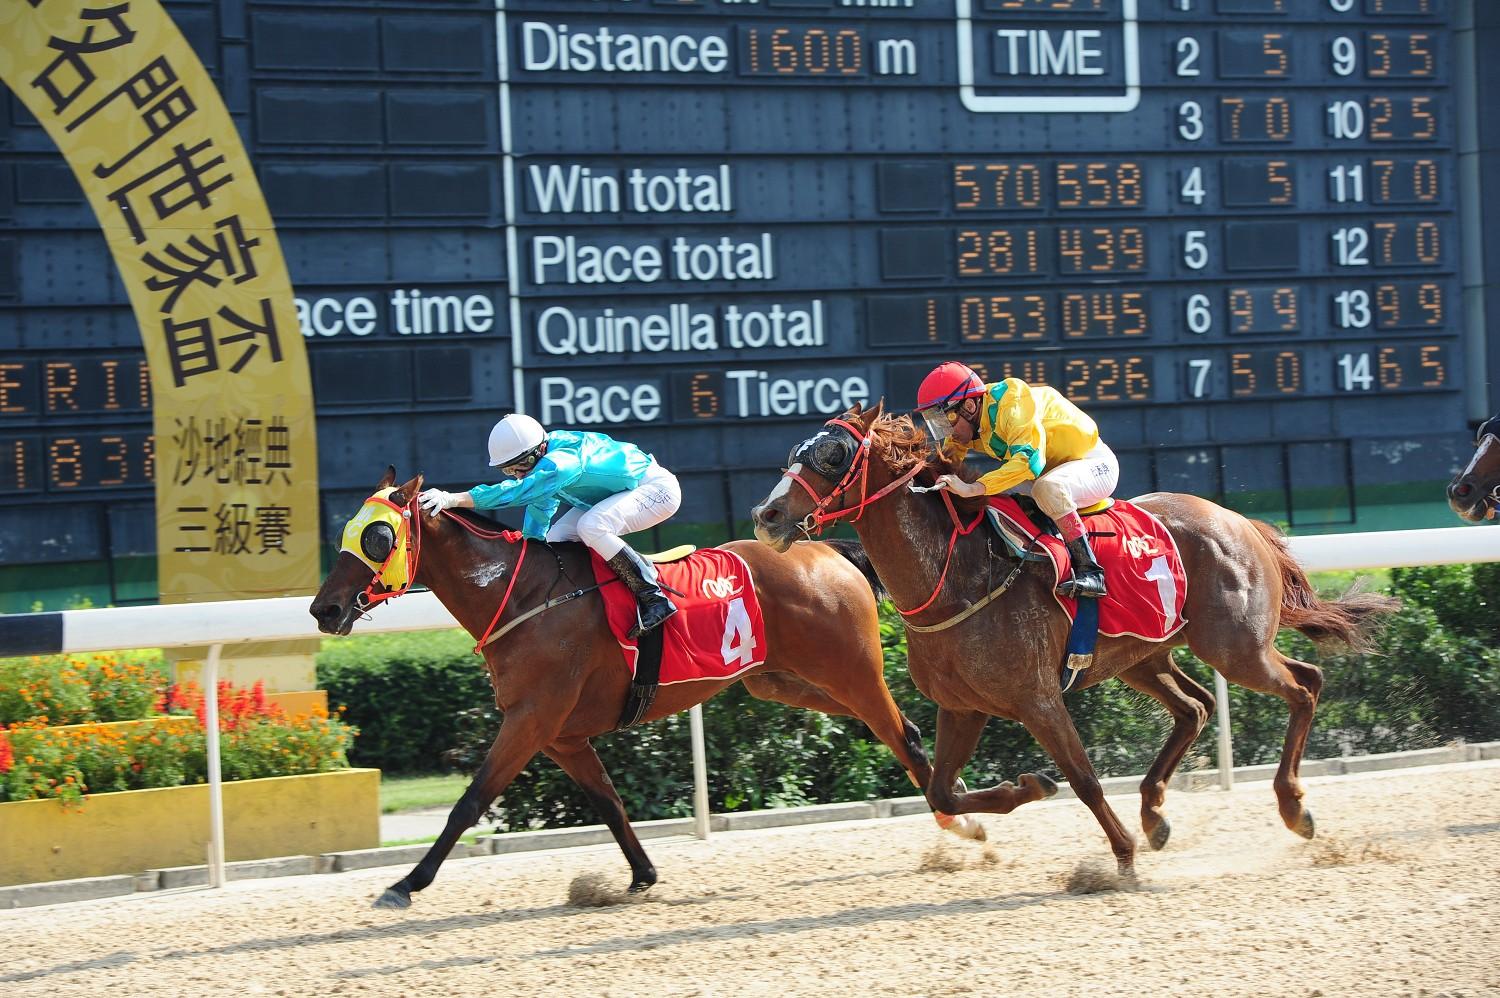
(853, 461)
(1475, 492)
(377, 558)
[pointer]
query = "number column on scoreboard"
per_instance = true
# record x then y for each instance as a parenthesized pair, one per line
(1290, 219)
(1374, 215)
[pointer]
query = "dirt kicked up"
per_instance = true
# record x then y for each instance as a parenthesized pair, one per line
(1399, 895)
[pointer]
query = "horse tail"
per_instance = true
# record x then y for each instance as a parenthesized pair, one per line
(1347, 618)
(854, 553)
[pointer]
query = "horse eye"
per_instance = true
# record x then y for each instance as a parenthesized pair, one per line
(832, 454)
(377, 540)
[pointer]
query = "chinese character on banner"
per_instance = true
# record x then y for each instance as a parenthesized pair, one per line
(249, 330)
(273, 525)
(190, 347)
(216, 440)
(231, 256)
(191, 186)
(162, 106)
(192, 544)
(68, 76)
(278, 450)
(249, 441)
(187, 443)
(232, 535)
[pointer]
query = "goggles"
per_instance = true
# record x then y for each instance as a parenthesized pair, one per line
(522, 464)
(940, 420)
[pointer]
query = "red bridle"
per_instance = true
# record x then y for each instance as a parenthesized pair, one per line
(411, 518)
(859, 467)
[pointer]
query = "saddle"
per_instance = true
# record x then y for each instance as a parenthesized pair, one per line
(1019, 544)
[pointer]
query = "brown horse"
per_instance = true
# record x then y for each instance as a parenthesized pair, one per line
(1474, 492)
(1004, 658)
(559, 677)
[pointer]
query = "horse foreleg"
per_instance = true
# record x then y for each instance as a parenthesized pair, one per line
(885, 720)
(958, 734)
(520, 739)
(577, 758)
(1190, 706)
(1052, 726)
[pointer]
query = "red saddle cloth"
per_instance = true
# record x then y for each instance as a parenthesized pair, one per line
(1142, 569)
(717, 631)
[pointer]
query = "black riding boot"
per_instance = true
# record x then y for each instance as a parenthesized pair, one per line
(652, 607)
(1088, 577)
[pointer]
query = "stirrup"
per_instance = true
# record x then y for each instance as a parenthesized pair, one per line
(640, 624)
(1073, 587)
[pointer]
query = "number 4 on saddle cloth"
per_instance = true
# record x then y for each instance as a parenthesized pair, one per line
(1142, 571)
(716, 633)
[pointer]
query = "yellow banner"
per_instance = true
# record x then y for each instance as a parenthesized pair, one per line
(148, 136)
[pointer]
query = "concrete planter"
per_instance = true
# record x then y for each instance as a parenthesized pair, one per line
(139, 830)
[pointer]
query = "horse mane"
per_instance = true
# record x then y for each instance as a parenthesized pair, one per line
(898, 441)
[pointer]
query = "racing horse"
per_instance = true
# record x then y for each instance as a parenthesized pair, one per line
(559, 677)
(1003, 651)
(1474, 492)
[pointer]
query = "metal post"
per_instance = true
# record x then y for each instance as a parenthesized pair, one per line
(700, 772)
(216, 876)
(1226, 747)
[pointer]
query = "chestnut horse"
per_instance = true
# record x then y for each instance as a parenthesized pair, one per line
(1474, 492)
(559, 677)
(1004, 657)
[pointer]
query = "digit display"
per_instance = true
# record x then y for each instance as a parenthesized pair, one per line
(707, 226)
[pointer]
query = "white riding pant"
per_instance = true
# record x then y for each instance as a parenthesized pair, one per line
(1075, 485)
(655, 499)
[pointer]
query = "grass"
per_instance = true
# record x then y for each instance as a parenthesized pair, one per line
(411, 793)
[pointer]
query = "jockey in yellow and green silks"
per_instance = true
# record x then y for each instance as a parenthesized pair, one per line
(1045, 444)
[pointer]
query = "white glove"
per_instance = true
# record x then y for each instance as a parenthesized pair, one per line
(435, 500)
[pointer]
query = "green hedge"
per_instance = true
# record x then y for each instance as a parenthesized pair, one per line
(404, 692)
(1434, 679)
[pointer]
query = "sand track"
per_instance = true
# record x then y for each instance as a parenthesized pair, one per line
(1399, 895)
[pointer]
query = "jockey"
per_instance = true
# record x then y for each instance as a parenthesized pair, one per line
(1046, 446)
(611, 488)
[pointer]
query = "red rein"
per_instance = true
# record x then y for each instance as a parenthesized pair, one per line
(861, 466)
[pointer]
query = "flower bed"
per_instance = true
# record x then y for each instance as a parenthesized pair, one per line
(76, 689)
(257, 740)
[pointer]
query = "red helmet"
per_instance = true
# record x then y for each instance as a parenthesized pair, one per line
(948, 385)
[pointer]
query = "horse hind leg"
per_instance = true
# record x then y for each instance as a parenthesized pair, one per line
(1190, 706)
(581, 762)
(1266, 670)
(958, 734)
(892, 727)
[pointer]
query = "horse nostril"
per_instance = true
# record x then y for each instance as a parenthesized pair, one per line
(1462, 490)
(767, 516)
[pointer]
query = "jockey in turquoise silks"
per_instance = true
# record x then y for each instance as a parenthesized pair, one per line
(611, 488)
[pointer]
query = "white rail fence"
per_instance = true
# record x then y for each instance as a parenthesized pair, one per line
(286, 618)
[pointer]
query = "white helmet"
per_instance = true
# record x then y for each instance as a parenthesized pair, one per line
(512, 437)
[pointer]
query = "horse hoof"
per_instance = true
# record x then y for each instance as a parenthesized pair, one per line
(1157, 837)
(393, 898)
(1046, 784)
(640, 886)
(1304, 826)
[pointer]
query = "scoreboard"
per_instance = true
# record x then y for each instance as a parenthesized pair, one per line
(1235, 231)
